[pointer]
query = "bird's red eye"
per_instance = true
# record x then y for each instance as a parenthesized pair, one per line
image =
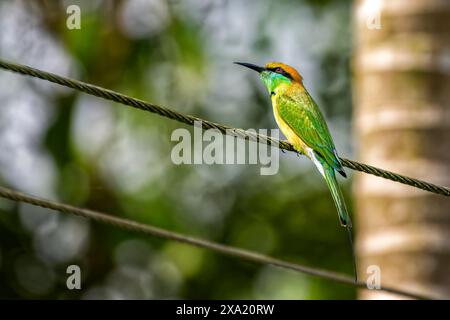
(279, 70)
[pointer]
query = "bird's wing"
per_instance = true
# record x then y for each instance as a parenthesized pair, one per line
(303, 116)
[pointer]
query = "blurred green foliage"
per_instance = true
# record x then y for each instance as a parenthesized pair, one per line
(114, 159)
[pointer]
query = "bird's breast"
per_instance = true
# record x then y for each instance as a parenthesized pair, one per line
(290, 135)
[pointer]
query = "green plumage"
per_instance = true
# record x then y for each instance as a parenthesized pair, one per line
(300, 112)
(301, 121)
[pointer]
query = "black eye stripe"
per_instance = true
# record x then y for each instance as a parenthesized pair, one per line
(280, 71)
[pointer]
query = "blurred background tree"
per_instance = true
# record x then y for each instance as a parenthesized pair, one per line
(60, 144)
(402, 122)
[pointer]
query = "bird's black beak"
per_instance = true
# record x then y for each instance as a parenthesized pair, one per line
(251, 66)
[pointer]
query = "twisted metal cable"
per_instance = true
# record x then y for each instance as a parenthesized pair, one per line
(188, 119)
(241, 254)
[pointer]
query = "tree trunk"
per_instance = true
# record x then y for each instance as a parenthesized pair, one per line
(402, 123)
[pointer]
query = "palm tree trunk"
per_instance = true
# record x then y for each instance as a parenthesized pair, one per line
(402, 123)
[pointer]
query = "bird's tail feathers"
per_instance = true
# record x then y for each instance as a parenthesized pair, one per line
(344, 217)
(330, 178)
(350, 239)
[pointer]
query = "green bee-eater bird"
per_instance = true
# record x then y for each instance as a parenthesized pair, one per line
(304, 126)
